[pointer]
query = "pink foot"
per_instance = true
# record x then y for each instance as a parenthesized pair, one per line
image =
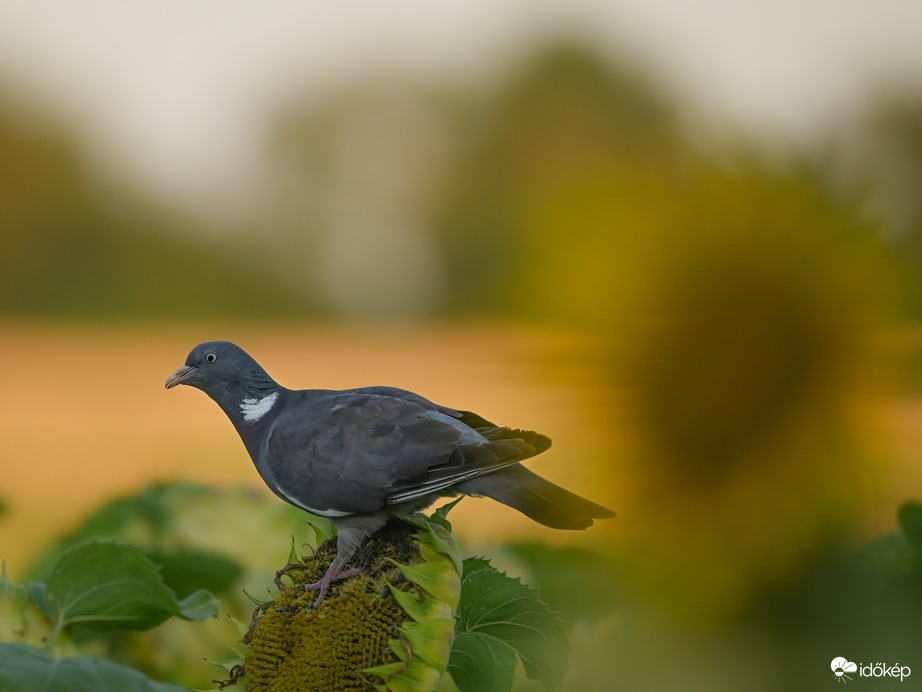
(332, 574)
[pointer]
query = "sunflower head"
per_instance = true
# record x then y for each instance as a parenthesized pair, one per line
(390, 626)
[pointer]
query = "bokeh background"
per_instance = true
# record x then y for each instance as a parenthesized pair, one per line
(683, 241)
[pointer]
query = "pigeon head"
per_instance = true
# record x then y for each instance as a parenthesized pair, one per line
(226, 373)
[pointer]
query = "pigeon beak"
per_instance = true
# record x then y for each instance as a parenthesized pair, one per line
(179, 376)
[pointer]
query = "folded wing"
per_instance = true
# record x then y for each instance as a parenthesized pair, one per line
(365, 450)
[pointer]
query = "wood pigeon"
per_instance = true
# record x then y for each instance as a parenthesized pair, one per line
(362, 456)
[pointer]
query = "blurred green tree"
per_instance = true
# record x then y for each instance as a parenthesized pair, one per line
(879, 162)
(66, 253)
(561, 168)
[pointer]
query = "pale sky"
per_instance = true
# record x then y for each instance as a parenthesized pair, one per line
(175, 93)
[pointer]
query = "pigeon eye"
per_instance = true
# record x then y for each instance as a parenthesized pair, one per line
(211, 357)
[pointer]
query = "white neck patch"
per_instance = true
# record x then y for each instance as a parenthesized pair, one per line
(254, 409)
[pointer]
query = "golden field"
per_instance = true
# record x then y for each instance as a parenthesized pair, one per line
(85, 416)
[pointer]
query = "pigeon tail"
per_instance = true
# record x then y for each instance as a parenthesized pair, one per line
(536, 498)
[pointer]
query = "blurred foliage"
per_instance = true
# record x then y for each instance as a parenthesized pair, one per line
(357, 177)
(879, 162)
(98, 586)
(862, 603)
(199, 537)
(577, 194)
(27, 668)
(562, 169)
(545, 194)
(68, 252)
(581, 582)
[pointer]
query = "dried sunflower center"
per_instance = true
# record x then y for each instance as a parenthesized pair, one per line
(293, 646)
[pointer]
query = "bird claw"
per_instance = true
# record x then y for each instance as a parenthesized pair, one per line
(324, 584)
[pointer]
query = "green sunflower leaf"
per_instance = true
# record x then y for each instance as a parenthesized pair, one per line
(502, 610)
(26, 668)
(107, 586)
(481, 663)
(440, 516)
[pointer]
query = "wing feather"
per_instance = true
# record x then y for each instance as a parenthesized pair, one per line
(361, 451)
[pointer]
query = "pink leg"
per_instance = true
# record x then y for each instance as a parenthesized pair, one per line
(335, 572)
(352, 531)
